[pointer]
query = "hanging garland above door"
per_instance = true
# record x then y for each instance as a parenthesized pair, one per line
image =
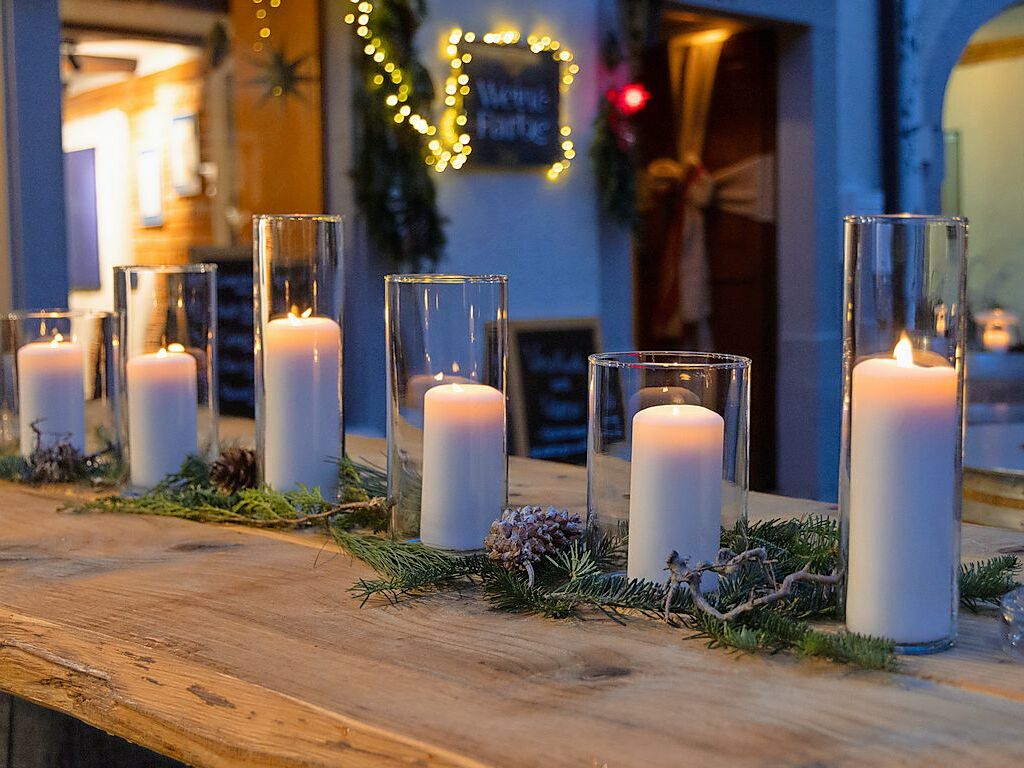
(393, 183)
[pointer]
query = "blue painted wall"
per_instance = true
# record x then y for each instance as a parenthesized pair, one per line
(546, 236)
(32, 93)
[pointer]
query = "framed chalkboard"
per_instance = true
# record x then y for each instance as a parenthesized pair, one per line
(512, 106)
(548, 386)
(235, 366)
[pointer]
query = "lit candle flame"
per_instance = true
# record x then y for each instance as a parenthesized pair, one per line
(294, 316)
(904, 352)
(455, 368)
(162, 352)
(57, 339)
(175, 347)
(456, 387)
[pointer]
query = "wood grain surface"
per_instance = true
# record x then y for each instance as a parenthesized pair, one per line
(224, 646)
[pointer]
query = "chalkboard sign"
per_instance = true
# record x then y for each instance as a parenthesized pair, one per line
(512, 106)
(235, 371)
(548, 387)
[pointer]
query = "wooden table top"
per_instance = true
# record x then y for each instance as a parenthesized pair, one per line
(225, 646)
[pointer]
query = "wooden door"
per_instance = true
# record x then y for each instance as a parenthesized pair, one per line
(741, 251)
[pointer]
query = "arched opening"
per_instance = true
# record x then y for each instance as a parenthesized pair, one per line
(983, 160)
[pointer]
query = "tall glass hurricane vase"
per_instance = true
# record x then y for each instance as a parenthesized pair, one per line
(59, 382)
(447, 466)
(667, 453)
(298, 311)
(900, 470)
(168, 366)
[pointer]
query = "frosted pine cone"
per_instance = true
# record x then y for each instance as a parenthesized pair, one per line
(525, 535)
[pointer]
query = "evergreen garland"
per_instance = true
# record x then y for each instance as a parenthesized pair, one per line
(393, 184)
(574, 580)
(613, 165)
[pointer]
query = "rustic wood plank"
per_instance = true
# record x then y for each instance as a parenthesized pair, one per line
(259, 657)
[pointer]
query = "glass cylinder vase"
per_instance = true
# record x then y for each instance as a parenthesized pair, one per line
(667, 454)
(168, 376)
(900, 469)
(298, 314)
(58, 383)
(447, 356)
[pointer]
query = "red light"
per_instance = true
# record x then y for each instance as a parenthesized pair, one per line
(632, 98)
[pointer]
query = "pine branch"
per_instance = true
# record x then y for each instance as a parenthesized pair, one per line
(850, 648)
(190, 494)
(13, 467)
(406, 567)
(510, 591)
(769, 630)
(614, 594)
(985, 582)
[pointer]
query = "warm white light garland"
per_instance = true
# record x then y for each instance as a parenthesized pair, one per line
(449, 144)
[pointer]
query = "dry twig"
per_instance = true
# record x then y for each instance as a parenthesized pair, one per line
(680, 573)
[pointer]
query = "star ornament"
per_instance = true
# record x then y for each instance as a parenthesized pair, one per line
(280, 76)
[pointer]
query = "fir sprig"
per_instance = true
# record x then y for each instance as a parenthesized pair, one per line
(191, 494)
(405, 567)
(986, 582)
(574, 579)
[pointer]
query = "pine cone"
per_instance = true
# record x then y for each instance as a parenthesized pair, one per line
(523, 536)
(234, 470)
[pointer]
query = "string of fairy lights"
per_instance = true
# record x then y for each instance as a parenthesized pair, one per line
(449, 145)
(262, 16)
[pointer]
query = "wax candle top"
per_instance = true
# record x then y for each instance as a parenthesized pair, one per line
(678, 425)
(902, 363)
(302, 322)
(172, 357)
(469, 401)
(888, 380)
(56, 341)
(56, 351)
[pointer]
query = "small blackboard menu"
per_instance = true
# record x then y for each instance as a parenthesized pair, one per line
(512, 105)
(235, 367)
(548, 374)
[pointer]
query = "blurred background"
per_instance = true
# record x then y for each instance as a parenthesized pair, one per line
(649, 175)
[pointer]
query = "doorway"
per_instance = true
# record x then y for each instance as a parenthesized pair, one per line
(984, 168)
(706, 253)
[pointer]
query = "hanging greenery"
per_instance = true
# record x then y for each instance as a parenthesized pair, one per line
(393, 183)
(612, 155)
(614, 148)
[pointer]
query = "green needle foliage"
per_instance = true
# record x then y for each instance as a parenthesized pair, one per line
(576, 579)
(986, 582)
(190, 494)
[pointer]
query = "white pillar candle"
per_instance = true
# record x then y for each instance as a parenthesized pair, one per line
(51, 392)
(162, 413)
(464, 465)
(903, 434)
(675, 488)
(302, 360)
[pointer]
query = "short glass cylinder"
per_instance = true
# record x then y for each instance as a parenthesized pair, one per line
(58, 383)
(668, 453)
(447, 339)
(298, 314)
(900, 468)
(168, 367)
